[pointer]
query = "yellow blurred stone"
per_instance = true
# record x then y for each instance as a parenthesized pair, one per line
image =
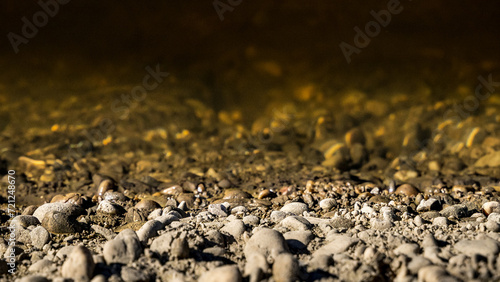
(55, 128)
(108, 140)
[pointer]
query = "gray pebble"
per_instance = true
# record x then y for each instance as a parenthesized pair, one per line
(109, 208)
(295, 208)
(440, 221)
(215, 237)
(492, 226)
(267, 242)
(39, 237)
(431, 204)
(59, 207)
(155, 214)
(148, 230)
(234, 228)
(222, 273)
(338, 244)
(218, 210)
(41, 266)
(239, 209)
(327, 204)
(285, 268)
(64, 252)
(79, 265)
(295, 223)
(180, 248)
(25, 221)
(457, 211)
(277, 216)
(162, 244)
(298, 239)
(251, 220)
(418, 220)
(60, 223)
(125, 248)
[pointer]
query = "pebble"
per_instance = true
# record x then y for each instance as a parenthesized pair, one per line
(125, 248)
(179, 248)
(234, 228)
(79, 265)
(295, 223)
(298, 239)
(149, 229)
(60, 223)
(42, 266)
(407, 190)
(106, 233)
(109, 208)
(338, 244)
(267, 242)
(218, 210)
(431, 204)
(285, 268)
(251, 220)
(277, 216)
(147, 205)
(440, 221)
(25, 221)
(67, 208)
(227, 273)
(491, 207)
(485, 247)
(456, 211)
(327, 204)
(295, 208)
(162, 244)
(216, 237)
(39, 237)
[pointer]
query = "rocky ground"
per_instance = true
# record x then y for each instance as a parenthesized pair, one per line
(318, 188)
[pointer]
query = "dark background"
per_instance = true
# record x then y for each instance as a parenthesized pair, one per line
(91, 44)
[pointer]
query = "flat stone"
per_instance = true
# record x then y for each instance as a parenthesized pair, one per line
(338, 244)
(296, 223)
(295, 208)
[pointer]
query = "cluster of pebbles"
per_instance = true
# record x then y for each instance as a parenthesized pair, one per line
(321, 189)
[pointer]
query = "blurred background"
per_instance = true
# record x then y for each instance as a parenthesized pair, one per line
(249, 54)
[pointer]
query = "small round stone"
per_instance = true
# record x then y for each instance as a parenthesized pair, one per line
(407, 190)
